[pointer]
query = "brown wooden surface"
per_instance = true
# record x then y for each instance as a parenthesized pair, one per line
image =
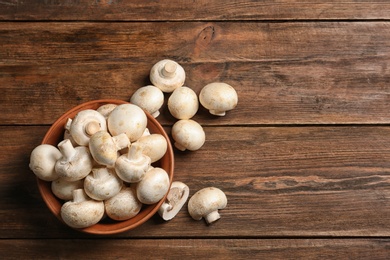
(304, 159)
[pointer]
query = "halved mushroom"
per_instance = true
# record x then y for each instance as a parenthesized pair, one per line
(176, 198)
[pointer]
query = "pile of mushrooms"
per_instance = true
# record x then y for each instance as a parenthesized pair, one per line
(103, 167)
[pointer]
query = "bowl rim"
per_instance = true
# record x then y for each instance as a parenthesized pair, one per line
(54, 204)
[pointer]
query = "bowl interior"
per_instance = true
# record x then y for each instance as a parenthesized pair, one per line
(55, 134)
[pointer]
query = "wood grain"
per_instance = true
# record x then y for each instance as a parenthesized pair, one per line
(197, 249)
(176, 10)
(284, 73)
(280, 181)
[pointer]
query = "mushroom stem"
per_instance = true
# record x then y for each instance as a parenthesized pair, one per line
(169, 69)
(92, 127)
(68, 123)
(212, 217)
(99, 173)
(67, 149)
(121, 141)
(79, 196)
(217, 112)
(135, 152)
(156, 114)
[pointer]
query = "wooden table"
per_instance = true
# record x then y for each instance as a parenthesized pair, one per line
(304, 159)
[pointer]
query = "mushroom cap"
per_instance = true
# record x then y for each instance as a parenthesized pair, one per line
(124, 205)
(176, 198)
(183, 103)
(85, 124)
(149, 98)
(106, 109)
(153, 186)
(102, 184)
(63, 189)
(188, 134)
(218, 97)
(42, 161)
(82, 212)
(205, 202)
(167, 75)
(154, 146)
(129, 119)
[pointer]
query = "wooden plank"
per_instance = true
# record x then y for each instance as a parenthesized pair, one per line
(196, 249)
(288, 73)
(195, 10)
(280, 181)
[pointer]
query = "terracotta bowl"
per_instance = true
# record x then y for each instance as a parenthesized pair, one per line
(55, 134)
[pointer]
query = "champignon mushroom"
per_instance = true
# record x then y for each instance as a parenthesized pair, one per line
(149, 98)
(131, 167)
(106, 109)
(176, 198)
(42, 162)
(129, 119)
(63, 189)
(124, 205)
(85, 124)
(75, 163)
(82, 212)
(206, 203)
(188, 134)
(167, 75)
(104, 148)
(218, 97)
(153, 186)
(154, 146)
(102, 184)
(183, 103)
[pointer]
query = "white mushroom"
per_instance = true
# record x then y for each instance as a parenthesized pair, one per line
(106, 109)
(206, 203)
(63, 189)
(104, 148)
(167, 75)
(188, 134)
(153, 186)
(129, 119)
(176, 198)
(124, 205)
(42, 161)
(85, 124)
(183, 103)
(218, 97)
(131, 167)
(149, 98)
(75, 163)
(154, 146)
(102, 184)
(82, 212)
(67, 134)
